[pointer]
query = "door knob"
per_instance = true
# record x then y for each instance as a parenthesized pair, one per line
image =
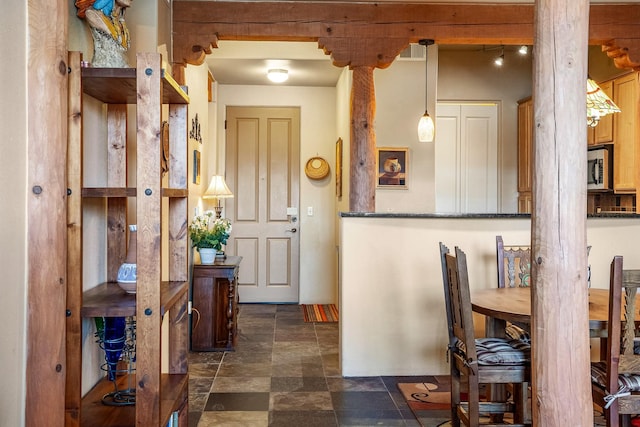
(291, 230)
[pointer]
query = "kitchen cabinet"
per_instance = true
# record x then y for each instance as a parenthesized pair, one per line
(215, 302)
(603, 132)
(525, 147)
(619, 129)
(158, 200)
(625, 134)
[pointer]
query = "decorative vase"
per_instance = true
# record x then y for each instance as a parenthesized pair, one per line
(128, 273)
(207, 255)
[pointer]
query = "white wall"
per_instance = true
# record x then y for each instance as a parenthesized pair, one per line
(343, 125)
(318, 138)
(400, 102)
(13, 227)
(470, 75)
(196, 78)
(392, 315)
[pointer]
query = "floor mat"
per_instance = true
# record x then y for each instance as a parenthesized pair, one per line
(320, 312)
(421, 396)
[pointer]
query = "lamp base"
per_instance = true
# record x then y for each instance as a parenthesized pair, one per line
(218, 210)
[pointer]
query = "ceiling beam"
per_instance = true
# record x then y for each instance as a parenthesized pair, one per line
(198, 25)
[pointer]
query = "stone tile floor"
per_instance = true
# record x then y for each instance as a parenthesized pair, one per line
(285, 372)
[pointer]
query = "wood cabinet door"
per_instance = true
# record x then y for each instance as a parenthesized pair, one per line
(525, 203)
(625, 130)
(525, 140)
(603, 132)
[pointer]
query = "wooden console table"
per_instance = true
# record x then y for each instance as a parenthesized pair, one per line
(215, 298)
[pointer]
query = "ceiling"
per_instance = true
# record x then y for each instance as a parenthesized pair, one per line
(247, 62)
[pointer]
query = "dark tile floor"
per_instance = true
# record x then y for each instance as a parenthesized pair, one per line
(285, 372)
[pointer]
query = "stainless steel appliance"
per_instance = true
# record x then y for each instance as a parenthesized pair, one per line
(599, 169)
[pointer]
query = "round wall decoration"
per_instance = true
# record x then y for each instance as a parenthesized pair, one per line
(317, 168)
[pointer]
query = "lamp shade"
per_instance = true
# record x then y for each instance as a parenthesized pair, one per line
(426, 128)
(217, 188)
(598, 103)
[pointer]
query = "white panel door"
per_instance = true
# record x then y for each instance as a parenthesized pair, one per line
(263, 168)
(467, 158)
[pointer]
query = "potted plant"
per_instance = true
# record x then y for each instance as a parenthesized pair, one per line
(208, 234)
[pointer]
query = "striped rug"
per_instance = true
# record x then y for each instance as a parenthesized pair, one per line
(320, 312)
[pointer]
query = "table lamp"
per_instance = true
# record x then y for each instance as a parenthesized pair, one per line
(217, 190)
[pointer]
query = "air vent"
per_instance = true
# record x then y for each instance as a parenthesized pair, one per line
(413, 52)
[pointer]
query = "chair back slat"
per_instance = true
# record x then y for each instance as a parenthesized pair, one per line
(614, 327)
(630, 284)
(514, 264)
(447, 294)
(461, 302)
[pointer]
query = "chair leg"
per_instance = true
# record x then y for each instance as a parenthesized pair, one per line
(455, 396)
(474, 401)
(520, 399)
(613, 418)
(625, 420)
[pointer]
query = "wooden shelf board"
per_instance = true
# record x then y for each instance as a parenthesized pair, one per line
(109, 192)
(118, 86)
(109, 300)
(129, 192)
(175, 192)
(94, 414)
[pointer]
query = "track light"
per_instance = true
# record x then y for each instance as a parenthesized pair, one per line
(523, 50)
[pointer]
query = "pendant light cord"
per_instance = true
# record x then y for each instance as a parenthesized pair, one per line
(426, 43)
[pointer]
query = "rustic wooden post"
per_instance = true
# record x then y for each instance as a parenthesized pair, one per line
(363, 141)
(561, 382)
(45, 198)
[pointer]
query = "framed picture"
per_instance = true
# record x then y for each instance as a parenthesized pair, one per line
(392, 167)
(196, 167)
(339, 168)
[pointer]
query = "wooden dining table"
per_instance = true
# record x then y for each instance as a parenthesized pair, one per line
(502, 305)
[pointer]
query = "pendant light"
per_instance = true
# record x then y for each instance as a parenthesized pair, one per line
(598, 104)
(426, 128)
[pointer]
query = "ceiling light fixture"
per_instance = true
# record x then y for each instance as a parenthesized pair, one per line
(278, 75)
(426, 128)
(524, 49)
(500, 59)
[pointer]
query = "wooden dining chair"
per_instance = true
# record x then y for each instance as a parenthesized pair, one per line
(514, 270)
(514, 264)
(616, 380)
(474, 362)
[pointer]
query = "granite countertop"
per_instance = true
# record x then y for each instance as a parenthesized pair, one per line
(471, 215)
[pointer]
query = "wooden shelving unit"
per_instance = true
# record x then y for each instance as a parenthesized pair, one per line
(158, 394)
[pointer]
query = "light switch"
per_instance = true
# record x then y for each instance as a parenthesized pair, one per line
(310, 211)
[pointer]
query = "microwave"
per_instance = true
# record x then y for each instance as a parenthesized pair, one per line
(598, 169)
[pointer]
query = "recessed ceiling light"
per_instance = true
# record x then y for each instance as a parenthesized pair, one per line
(278, 75)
